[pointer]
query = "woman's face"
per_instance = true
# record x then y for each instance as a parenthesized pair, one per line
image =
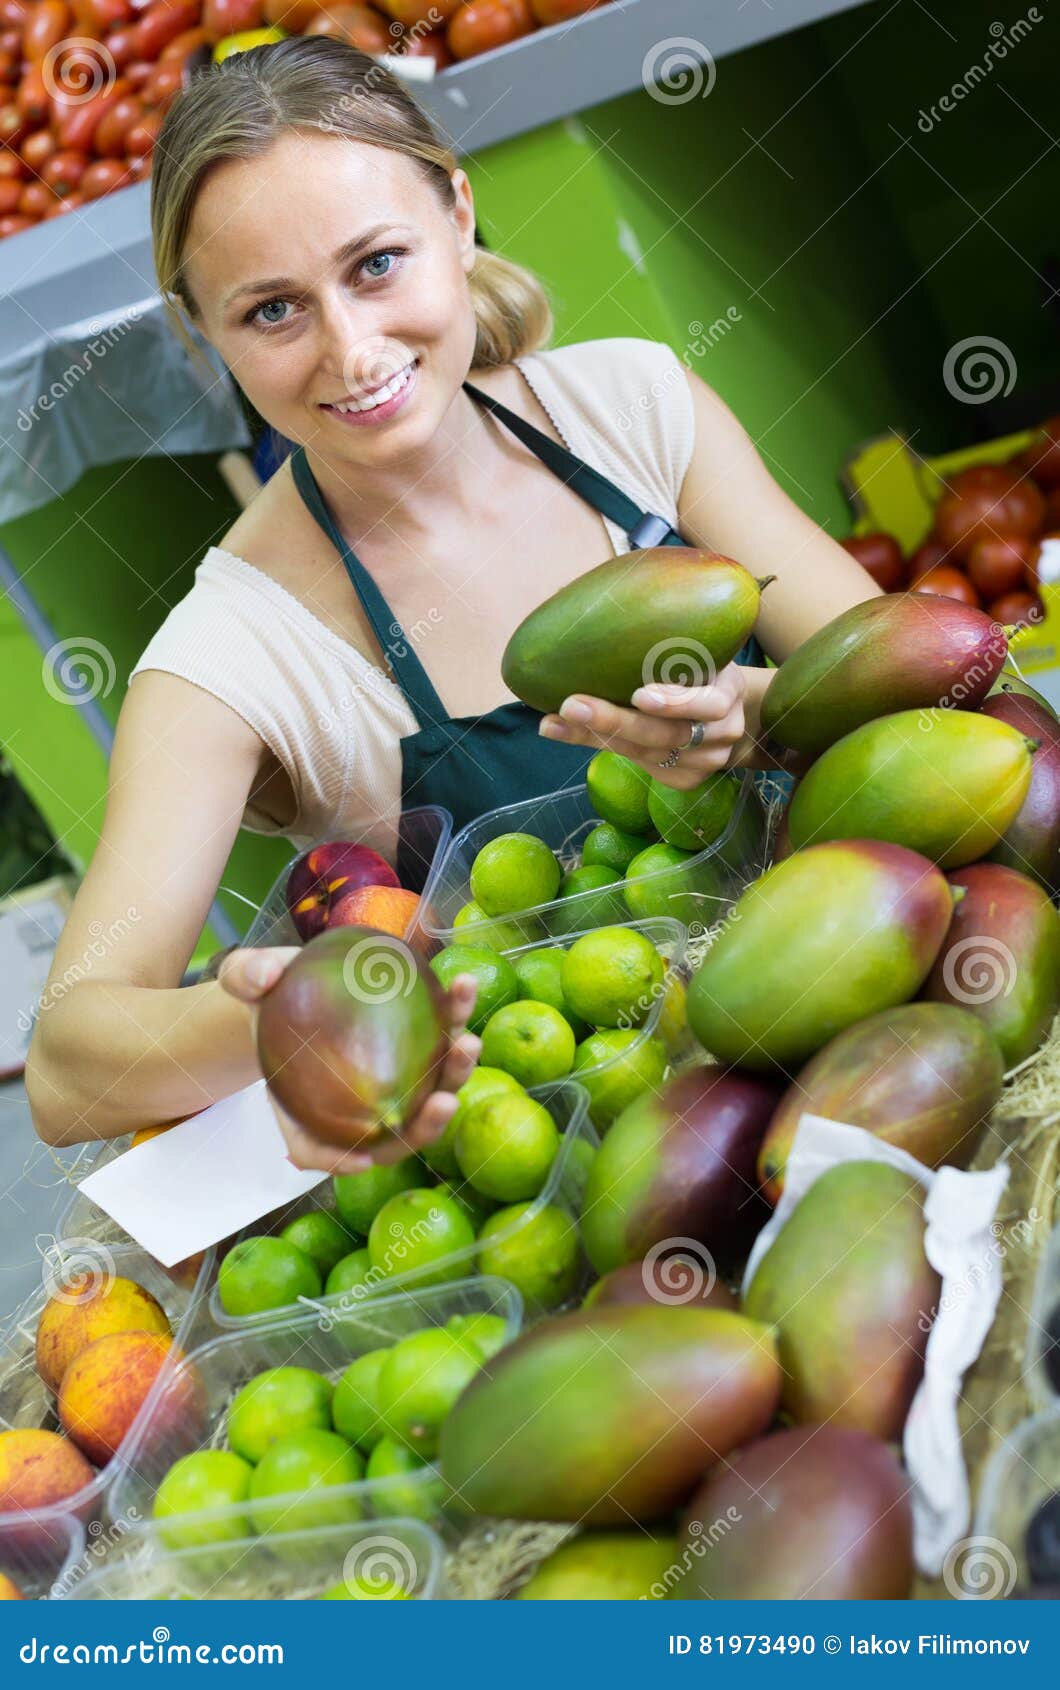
(321, 271)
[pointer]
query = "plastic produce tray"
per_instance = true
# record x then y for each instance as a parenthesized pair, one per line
(714, 878)
(25, 1400)
(407, 1551)
(1024, 1471)
(422, 837)
(1044, 1304)
(564, 1187)
(44, 1562)
(320, 1338)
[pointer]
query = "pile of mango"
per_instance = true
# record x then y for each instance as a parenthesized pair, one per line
(899, 957)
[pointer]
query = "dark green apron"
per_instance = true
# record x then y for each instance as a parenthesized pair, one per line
(471, 764)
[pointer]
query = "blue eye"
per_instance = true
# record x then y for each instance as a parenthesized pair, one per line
(375, 259)
(271, 304)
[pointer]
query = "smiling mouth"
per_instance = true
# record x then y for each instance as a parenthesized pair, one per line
(378, 396)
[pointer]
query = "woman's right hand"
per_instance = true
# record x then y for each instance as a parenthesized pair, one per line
(248, 974)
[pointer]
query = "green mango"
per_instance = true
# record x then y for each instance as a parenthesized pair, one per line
(852, 1295)
(812, 1513)
(609, 1415)
(946, 783)
(924, 1076)
(680, 1163)
(666, 613)
(605, 1567)
(1001, 957)
(1010, 683)
(821, 940)
(899, 652)
(1031, 843)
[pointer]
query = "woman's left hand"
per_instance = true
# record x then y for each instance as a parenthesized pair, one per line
(660, 722)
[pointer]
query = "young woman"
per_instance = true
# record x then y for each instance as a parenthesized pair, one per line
(338, 657)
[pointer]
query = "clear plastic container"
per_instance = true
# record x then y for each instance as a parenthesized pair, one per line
(407, 1552)
(25, 1401)
(421, 840)
(82, 1218)
(322, 1338)
(698, 893)
(1023, 1473)
(564, 1188)
(1041, 1365)
(44, 1564)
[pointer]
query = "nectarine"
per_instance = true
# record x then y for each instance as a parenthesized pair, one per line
(388, 908)
(105, 1388)
(324, 874)
(75, 1318)
(39, 1469)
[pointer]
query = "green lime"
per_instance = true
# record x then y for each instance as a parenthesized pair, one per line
(319, 1236)
(363, 1589)
(607, 844)
(359, 1197)
(612, 977)
(618, 791)
(476, 1206)
(537, 1253)
(578, 909)
(580, 1157)
(488, 1331)
(493, 935)
(693, 820)
(513, 872)
(355, 1405)
(420, 1232)
(660, 882)
(495, 976)
(280, 1400)
(530, 1041)
(302, 1471)
(481, 1082)
(353, 1273)
(506, 1146)
(614, 1068)
(539, 975)
(406, 1487)
(265, 1273)
(196, 1484)
(420, 1381)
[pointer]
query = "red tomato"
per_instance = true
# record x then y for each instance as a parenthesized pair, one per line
(38, 147)
(410, 12)
(880, 556)
(103, 177)
(143, 135)
(357, 25)
(161, 23)
(11, 164)
(63, 172)
(427, 44)
(10, 189)
(163, 85)
(141, 166)
(1011, 609)
(14, 224)
(928, 556)
(121, 45)
(78, 123)
(103, 15)
(109, 139)
(34, 199)
(70, 202)
(231, 17)
(11, 42)
(13, 126)
(986, 499)
(1000, 563)
(560, 11)
(948, 582)
(137, 73)
(13, 15)
(481, 25)
(48, 23)
(33, 97)
(181, 45)
(9, 65)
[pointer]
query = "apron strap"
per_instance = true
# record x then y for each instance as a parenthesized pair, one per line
(405, 666)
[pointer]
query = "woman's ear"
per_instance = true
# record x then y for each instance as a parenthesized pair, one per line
(464, 217)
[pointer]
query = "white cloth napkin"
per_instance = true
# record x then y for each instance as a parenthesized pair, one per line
(202, 1180)
(963, 1247)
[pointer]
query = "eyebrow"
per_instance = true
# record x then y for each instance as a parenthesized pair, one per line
(277, 284)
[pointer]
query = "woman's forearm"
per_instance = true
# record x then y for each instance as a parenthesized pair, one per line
(110, 1058)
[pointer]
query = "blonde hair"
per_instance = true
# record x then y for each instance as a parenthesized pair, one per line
(238, 108)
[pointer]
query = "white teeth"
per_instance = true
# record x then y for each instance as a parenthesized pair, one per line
(379, 397)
